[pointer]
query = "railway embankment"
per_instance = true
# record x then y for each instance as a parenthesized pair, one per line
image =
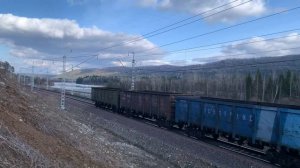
(36, 133)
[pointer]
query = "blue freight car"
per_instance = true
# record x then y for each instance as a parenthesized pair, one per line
(258, 124)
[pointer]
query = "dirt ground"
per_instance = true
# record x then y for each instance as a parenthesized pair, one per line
(34, 134)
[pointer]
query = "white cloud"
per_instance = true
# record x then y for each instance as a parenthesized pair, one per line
(48, 38)
(252, 8)
(153, 62)
(279, 47)
(77, 2)
(258, 47)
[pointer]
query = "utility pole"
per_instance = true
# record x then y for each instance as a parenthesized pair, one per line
(74, 83)
(32, 78)
(19, 76)
(47, 86)
(24, 79)
(63, 89)
(132, 72)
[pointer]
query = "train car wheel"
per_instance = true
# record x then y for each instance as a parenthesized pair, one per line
(272, 155)
(241, 141)
(199, 134)
(215, 136)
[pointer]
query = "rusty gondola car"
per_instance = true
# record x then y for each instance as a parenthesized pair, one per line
(108, 98)
(150, 104)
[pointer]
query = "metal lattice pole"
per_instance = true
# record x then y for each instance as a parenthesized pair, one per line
(63, 89)
(132, 72)
(72, 88)
(24, 79)
(32, 78)
(19, 77)
(47, 79)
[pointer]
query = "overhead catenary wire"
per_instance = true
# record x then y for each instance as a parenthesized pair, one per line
(232, 66)
(229, 27)
(186, 19)
(225, 28)
(203, 47)
(147, 35)
(241, 66)
(225, 43)
(225, 56)
(144, 36)
(188, 23)
(222, 29)
(230, 56)
(223, 67)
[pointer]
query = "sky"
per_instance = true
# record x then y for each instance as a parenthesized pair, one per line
(105, 33)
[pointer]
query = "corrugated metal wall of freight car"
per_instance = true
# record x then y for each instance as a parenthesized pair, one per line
(93, 97)
(164, 107)
(147, 102)
(226, 118)
(125, 99)
(169, 112)
(194, 113)
(181, 111)
(243, 124)
(266, 127)
(154, 105)
(209, 115)
(138, 102)
(289, 128)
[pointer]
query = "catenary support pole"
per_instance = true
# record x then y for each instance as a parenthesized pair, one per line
(47, 86)
(63, 91)
(32, 77)
(132, 72)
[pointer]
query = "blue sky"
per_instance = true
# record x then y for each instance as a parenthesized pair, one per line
(33, 30)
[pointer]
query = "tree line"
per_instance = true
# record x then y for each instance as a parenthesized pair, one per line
(266, 86)
(7, 67)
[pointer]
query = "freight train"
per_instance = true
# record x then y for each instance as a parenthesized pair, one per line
(273, 127)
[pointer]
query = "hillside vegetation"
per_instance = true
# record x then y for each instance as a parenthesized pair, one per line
(272, 79)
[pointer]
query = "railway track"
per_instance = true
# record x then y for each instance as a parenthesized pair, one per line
(77, 98)
(255, 154)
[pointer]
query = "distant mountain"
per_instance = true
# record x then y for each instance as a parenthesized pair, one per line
(87, 72)
(264, 64)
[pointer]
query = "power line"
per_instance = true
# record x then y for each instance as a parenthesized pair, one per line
(220, 43)
(229, 27)
(205, 17)
(202, 47)
(151, 35)
(200, 68)
(193, 37)
(225, 28)
(231, 55)
(186, 19)
(77, 65)
(224, 67)
(190, 48)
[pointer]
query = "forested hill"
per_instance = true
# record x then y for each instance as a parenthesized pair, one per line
(264, 64)
(274, 79)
